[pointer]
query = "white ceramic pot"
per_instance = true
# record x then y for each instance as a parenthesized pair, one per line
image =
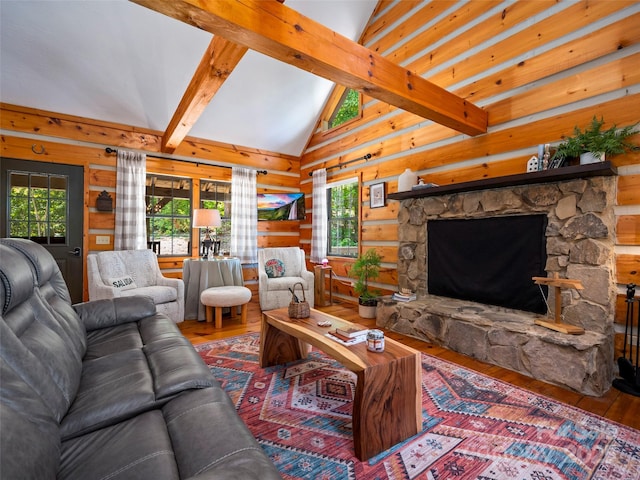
(589, 157)
(407, 180)
(367, 312)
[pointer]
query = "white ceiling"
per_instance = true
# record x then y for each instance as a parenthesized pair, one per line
(116, 61)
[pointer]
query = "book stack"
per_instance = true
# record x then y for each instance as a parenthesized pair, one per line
(348, 342)
(404, 296)
(349, 336)
(350, 333)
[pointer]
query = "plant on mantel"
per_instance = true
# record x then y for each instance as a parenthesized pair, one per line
(596, 141)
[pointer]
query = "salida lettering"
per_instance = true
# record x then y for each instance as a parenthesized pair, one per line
(123, 282)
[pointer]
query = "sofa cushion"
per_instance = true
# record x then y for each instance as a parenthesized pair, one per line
(112, 388)
(52, 290)
(231, 453)
(110, 312)
(30, 440)
(176, 366)
(35, 341)
(158, 327)
(17, 280)
(159, 294)
(139, 447)
(44, 265)
(284, 283)
(107, 341)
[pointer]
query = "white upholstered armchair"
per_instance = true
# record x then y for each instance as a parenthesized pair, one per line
(278, 270)
(124, 273)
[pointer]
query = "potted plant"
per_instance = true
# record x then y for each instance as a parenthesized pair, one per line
(593, 144)
(365, 268)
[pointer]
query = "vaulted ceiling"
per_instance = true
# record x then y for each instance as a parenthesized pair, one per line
(120, 62)
(116, 61)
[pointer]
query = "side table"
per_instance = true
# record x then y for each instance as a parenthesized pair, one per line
(319, 281)
(199, 274)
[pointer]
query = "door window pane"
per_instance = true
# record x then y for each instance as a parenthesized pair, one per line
(38, 207)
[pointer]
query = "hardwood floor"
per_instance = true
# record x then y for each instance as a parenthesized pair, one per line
(614, 405)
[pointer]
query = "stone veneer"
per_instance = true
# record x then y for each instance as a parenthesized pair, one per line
(580, 243)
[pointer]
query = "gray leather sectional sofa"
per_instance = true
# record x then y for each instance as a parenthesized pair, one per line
(106, 389)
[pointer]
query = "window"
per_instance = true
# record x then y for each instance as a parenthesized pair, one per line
(347, 109)
(218, 195)
(168, 201)
(38, 207)
(342, 211)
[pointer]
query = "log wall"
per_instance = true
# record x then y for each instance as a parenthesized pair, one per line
(538, 68)
(79, 141)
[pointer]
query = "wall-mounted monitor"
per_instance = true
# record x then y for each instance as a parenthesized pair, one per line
(281, 206)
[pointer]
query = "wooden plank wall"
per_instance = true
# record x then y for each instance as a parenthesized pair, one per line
(79, 141)
(539, 69)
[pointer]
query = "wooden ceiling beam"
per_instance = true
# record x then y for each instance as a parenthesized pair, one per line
(282, 33)
(217, 63)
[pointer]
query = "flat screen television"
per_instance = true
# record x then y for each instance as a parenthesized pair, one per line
(281, 206)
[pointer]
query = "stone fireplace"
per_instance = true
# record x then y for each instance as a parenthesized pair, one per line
(579, 235)
(489, 260)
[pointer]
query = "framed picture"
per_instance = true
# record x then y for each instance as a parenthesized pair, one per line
(377, 195)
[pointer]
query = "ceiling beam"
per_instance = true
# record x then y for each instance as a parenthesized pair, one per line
(282, 33)
(217, 63)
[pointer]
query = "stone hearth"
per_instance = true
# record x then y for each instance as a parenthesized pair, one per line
(507, 338)
(580, 239)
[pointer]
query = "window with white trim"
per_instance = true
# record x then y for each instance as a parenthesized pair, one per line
(342, 221)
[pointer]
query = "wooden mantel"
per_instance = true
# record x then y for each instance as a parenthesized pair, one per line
(600, 169)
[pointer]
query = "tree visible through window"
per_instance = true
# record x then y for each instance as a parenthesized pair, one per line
(218, 195)
(348, 108)
(168, 201)
(342, 210)
(38, 207)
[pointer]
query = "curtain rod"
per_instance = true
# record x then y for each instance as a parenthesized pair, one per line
(340, 165)
(113, 150)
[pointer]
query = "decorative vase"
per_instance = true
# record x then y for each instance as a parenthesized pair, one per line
(589, 157)
(406, 180)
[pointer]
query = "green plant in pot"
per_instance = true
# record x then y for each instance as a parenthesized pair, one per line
(594, 144)
(364, 269)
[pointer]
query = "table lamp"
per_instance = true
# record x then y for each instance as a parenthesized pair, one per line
(206, 218)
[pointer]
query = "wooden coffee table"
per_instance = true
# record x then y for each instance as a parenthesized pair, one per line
(387, 407)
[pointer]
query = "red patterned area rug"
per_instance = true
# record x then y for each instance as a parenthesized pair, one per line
(474, 427)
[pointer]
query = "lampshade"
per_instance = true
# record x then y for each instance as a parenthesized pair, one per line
(206, 217)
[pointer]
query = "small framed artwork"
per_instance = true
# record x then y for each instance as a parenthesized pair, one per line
(377, 195)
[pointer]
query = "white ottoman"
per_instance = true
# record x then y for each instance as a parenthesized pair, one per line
(217, 298)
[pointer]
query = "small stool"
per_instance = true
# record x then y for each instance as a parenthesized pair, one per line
(219, 297)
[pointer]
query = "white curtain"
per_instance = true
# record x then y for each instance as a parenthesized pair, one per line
(131, 231)
(319, 216)
(244, 215)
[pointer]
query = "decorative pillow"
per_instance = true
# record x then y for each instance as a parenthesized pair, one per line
(123, 283)
(274, 268)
